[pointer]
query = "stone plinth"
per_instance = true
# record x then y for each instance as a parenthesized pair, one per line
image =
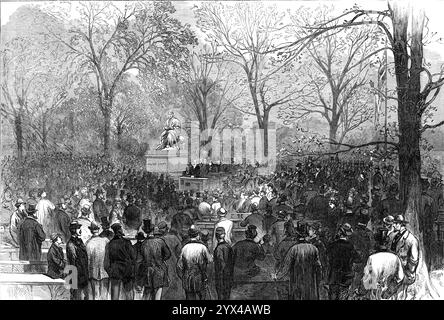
(171, 161)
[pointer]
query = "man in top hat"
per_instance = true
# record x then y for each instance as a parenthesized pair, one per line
(78, 257)
(119, 264)
(62, 220)
(56, 258)
(278, 228)
(341, 255)
(140, 269)
(225, 223)
(192, 266)
(303, 263)
(98, 278)
(31, 237)
(16, 220)
(223, 265)
(155, 254)
(99, 206)
(317, 207)
(406, 246)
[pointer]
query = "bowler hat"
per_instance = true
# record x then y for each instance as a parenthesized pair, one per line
(116, 227)
(193, 232)
(389, 219)
(400, 219)
(251, 231)
(19, 202)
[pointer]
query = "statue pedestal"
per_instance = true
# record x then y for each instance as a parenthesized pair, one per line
(171, 161)
(193, 184)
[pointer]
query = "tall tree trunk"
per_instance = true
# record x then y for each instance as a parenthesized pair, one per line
(332, 133)
(119, 132)
(409, 119)
(106, 111)
(265, 123)
(18, 128)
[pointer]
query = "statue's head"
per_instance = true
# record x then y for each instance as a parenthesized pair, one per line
(171, 114)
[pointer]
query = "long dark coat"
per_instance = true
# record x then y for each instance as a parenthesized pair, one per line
(31, 236)
(120, 259)
(317, 208)
(192, 266)
(77, 256)
(174, 290)
(303, 263)
(341, 256)
(223, 269)
(61, 224)
(155, 254)
(56, 262)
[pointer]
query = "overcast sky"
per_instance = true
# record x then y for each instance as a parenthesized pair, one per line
(434, 10)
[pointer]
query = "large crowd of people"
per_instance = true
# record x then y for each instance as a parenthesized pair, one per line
(132, 234)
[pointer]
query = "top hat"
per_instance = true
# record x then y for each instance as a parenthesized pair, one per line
(146, 227)
(389, 219)
(140, 236)
(31, 208)
(193, 232)
(400, 219)
(220, 230)
(19, 202)
(251, 231)
(53, 237)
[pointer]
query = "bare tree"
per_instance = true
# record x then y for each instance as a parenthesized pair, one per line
(210, 90)
(21, 67)
(337, 71)
(405, 30)
(248, 33)
(111, 39)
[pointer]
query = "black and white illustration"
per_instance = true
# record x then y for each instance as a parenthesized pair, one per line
(232, 150)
